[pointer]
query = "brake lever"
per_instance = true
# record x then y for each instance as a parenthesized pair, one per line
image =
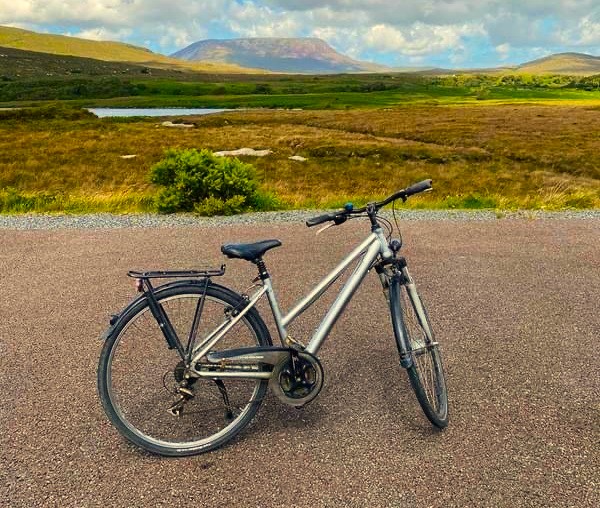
(325, 227)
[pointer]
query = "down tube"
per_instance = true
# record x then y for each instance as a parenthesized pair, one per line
(343, 298)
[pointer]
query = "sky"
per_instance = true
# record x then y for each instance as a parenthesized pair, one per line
(446, 33)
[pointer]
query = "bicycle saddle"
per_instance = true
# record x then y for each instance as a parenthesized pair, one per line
(248, 251)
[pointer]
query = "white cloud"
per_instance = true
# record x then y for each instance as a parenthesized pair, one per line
(590, 32)
(251, 20)
(586, 33)
(420, 39)
(503, 50)
(102, 34)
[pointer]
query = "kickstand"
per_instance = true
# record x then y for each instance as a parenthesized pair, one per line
(223, 390)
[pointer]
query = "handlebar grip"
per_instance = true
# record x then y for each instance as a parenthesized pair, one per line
(314, 221)
(417, 187)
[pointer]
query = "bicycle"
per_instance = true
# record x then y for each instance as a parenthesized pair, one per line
(186, 365)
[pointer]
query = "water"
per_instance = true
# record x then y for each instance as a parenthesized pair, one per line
(107, 112)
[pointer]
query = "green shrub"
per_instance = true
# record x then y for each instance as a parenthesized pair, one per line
(200, 181)
(53, 111)
(215, 206)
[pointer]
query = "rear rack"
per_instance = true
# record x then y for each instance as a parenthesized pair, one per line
(173, 274)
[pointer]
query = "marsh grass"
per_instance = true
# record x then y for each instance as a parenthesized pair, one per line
(14, 201)
(499, 157)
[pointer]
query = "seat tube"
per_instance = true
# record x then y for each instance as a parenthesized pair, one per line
(281, 330)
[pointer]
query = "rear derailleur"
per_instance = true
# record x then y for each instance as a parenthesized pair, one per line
(186, 393)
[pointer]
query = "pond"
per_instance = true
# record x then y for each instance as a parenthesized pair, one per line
(108, 112)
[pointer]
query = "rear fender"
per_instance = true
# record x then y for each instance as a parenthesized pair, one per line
(115, 319)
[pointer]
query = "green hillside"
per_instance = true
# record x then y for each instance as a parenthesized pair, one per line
(18, 64)
(563, 63)
(103, 50)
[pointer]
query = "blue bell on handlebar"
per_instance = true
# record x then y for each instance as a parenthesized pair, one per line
(395, 245)
(348, 207)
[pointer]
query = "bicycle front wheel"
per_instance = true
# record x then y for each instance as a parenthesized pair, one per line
(414, 337)
(138, 374)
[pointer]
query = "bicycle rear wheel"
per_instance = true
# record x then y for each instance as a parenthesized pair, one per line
(138, 374)
(426, 374)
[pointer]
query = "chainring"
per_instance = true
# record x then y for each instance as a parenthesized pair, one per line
(298, 379)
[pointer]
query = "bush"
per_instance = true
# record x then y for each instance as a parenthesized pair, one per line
(53, 111)
(200, 181)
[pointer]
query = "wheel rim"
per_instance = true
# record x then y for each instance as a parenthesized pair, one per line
(140, 365)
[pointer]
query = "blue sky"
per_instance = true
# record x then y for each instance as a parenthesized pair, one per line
(448, 33)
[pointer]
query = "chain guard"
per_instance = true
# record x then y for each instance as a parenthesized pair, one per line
(298, 379)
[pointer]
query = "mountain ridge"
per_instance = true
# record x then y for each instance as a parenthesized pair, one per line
(308, 55)
(563, 63)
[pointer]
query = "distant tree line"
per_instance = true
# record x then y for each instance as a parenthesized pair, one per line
(81, 87)
(519, 81)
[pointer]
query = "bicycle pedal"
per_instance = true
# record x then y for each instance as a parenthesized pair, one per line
(175, 411)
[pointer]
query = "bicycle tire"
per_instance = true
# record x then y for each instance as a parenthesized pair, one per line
(426, 373)
(121, 372)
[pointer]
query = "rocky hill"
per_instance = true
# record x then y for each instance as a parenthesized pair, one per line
(294, 55)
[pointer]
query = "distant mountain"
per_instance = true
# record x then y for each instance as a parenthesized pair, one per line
(563, 63)
(102, 50)
(560, 63)
(293, 55)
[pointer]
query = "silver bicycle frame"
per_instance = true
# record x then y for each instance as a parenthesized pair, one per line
(374, 245)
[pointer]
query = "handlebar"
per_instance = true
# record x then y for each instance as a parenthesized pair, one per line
(337, 217)
(341, 216)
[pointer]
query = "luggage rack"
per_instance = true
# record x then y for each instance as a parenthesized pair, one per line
(173, 274)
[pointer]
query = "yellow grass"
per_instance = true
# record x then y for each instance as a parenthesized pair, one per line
(498, 156)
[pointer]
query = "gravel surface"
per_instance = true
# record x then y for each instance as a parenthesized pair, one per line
(105, 220)
(514, 303)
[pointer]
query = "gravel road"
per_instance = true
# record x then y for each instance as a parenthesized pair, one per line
(514, 303)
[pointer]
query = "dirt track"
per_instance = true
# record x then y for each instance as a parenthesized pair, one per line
(514, 304)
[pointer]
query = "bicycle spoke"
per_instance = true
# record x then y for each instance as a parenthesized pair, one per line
(425, 374)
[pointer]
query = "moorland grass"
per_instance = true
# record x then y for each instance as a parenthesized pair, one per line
(500, 156)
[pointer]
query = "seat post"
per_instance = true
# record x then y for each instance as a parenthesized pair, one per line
(262, 268)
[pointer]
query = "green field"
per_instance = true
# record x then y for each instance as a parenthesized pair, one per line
(128, 86)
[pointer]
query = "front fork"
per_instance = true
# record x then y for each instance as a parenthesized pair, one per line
(396, 269)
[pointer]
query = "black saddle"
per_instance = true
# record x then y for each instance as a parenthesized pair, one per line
(248, 251)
